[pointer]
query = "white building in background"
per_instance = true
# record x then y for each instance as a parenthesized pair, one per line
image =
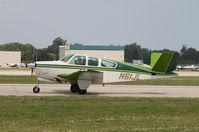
(13, 57)
(99, 51)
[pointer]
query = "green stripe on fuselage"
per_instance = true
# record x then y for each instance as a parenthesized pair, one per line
(136, 67)
(124, 68)
(132, 67)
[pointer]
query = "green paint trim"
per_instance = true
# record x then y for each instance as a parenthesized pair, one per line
(89, 68)
(138, 66)
(169, 62)
(154, 58)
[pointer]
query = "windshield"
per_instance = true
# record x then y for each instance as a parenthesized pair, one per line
(66, 58)
(106, 63)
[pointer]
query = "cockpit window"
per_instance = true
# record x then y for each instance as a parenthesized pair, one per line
(106, 63)
(78, 60)
(92, 61)
(66, 58)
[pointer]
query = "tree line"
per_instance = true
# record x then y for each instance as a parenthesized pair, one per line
(30, 54)
(187, 55)
(133, 51)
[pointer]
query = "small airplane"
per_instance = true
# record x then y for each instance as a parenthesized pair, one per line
(188, 67)
(82, 70)
(15, 65)
(12, 64)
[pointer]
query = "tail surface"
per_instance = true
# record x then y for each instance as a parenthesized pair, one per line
(164, 62)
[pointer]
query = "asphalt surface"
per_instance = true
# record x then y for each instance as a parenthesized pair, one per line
(98, 90)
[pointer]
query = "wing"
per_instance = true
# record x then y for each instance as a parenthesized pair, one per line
(86, 74)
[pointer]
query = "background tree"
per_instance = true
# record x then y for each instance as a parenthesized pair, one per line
(42, 54)
(146, 55)
(163, 50)
(183, 50)
(52, 51)
(27, 50)
(132, 52)
(54, 48)
(189, 55)
(51, 56)
(135, 52)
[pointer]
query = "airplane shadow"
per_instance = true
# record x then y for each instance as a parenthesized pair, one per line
(123, 93)
(67, 92)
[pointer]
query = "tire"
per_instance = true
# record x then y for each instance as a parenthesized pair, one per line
(82, 92)
(74, 88)
(36, 89)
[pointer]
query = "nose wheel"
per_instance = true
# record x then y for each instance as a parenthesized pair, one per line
(36, 89)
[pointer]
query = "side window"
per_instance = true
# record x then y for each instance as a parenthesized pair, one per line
(92, 61)
(78, 60)
(105, 63)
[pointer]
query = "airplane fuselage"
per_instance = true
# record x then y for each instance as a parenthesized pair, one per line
(81, 71)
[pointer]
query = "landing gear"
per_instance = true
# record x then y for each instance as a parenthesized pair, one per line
(75, 88)
(36, 89)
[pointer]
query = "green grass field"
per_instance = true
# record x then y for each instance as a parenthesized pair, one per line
(176, 81)
(98, 114)
(17, 79)
(4, 79)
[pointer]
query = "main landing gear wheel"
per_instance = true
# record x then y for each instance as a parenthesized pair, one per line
(74, 88)
(36, 89)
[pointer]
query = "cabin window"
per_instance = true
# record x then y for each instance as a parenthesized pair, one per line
(92, 61)
(78, 60)
(66, 58)
(105, 63)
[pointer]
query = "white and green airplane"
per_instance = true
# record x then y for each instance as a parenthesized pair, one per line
(81, 70)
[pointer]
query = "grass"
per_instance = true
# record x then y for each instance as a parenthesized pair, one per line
(176, 81)
(98, 114)
(4, 79)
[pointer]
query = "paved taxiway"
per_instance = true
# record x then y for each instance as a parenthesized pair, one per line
(98, 90)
